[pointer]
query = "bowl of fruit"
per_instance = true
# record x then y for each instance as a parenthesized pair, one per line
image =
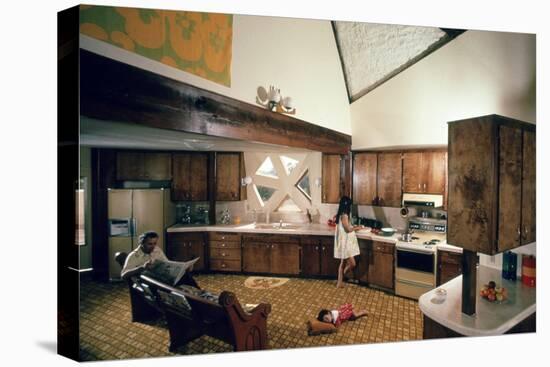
(492, 293)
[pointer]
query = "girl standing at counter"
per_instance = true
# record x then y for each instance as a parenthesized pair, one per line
(345, 240)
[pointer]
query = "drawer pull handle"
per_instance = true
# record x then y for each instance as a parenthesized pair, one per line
(223, 244)
(223, 253)
(223, 265)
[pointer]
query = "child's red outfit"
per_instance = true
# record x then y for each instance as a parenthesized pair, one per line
(345, 312)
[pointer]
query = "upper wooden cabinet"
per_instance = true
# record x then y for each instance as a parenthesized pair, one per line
(190, 181)
(389, 179)
(229, 170)
(425, 172)
(143, 166)
(364, 178)
(491, 203)
(330, 188)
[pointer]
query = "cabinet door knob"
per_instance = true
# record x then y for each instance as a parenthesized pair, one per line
(223, 253)
(323, 248)
(316, 247)
(419, 185)
(424, 187)
(223, 244)
(519, 232)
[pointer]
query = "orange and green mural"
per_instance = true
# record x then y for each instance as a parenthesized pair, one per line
(198, 43)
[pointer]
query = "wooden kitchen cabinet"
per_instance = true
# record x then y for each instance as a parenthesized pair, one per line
(190, 177)
(425, 172)
(331, 183)
(186, 246)
(491, 184)
(389, 176)
(361, 271)
(143, 166)
(381, 265)
(228, 176)
(225, 251)
(528, 186)
(329, 265)
(311, 256)
(449, 266)
(364, 178)
(272, 254)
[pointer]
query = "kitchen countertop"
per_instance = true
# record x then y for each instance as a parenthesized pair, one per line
(491, 318)
(447, 247)
(313, 229)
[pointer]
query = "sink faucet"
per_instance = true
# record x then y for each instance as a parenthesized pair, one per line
(280, 223)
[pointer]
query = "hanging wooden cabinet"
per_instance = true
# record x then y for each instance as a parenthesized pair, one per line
(229, 171)
(492, 198)
(143, 166)
(364, 178)
(425, 172)
(190, 181)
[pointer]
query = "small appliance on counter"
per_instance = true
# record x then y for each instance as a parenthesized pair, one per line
(509, 265)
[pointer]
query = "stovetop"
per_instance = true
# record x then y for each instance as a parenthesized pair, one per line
(422, 241)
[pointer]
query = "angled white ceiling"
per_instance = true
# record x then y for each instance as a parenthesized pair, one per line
(373, 53)
(112, 134)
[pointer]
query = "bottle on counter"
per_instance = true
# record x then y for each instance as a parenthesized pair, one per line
(528, 270)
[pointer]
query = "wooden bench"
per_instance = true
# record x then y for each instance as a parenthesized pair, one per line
(189, 316)
(144, 307)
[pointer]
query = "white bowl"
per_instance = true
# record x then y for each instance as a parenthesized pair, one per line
(440, 294)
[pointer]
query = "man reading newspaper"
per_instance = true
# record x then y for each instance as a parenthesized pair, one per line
(147, 256)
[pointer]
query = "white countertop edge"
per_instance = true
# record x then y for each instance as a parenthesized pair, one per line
(450, 248)
(471, 331)
(241, 228)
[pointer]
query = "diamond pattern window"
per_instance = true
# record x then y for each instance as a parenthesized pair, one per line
(264, 193)
(288, 206)
(267, 169)
(288, 163)
(303, 185)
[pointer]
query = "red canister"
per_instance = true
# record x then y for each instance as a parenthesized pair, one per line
(528, 270)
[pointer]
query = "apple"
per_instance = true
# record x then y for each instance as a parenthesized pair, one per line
(491, 297)
(499, 297)
(483, 292)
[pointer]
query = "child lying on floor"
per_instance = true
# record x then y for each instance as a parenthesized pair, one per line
(343, 313)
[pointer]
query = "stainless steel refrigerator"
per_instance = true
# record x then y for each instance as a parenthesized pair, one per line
(132, 212)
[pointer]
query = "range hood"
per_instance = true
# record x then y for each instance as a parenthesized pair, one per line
(423, 200)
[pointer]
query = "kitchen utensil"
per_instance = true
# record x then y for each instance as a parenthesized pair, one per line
(404, 211)
(407, 236)
(388, 231)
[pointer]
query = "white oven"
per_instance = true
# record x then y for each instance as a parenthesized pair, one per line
(414, 272)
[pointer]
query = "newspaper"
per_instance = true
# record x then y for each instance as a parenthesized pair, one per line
(169, 272)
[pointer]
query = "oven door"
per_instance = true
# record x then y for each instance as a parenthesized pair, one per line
(416, 261)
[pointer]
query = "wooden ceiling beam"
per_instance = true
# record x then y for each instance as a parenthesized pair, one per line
(115, 91)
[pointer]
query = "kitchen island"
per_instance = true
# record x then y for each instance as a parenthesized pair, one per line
(516, 314)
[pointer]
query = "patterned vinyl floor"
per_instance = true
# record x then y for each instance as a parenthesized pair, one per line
(107, 332)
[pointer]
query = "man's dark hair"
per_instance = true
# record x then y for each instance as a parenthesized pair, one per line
(322, 314)
(146, 235)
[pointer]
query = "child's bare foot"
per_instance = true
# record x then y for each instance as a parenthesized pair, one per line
(360, 314)
(339, 285)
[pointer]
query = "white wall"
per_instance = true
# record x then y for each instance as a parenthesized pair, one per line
(299, 56)
(476, 74)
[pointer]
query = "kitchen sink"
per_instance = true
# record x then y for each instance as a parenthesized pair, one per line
(278, 226)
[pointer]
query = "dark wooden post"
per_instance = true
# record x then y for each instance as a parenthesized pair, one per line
(469, 280)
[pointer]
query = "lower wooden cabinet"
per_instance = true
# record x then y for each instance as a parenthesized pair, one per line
(329, 265)
(225, 251)
(449, 266)
(381, 264)
(187, 246)
(271, 254)
(361, 271)
(256, 257)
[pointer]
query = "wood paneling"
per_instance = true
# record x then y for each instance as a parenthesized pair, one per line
(331, 172)
(364, 178)
(472, 192)
(389, 179)
(434, 166)
(449, 266)
(311, 260)
(190, 181)
(135, 165)
(256, 257)
(529, 195)
(381, 265)
(486, 195)
(115, 91)
(285, 258)
(228, 177)
(413, 175)
(509, 200)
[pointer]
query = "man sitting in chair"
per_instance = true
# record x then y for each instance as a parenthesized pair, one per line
(143, 257)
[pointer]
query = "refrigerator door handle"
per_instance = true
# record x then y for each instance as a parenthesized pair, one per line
(134, 227)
